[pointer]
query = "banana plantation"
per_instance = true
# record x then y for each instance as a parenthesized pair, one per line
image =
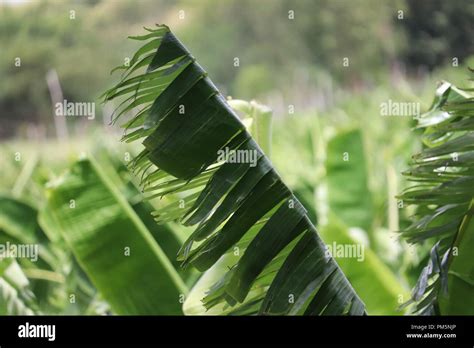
(191, 202)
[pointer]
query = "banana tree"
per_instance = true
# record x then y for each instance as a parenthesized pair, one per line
(443, 197)
(192, 142)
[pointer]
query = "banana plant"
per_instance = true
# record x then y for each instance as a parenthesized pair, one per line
(196, 148)
(344, 209)
(57, 279)
(50, 276)
(443, 196)
(112, 243)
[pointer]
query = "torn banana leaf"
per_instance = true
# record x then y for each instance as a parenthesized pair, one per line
(443, 194)
(196, 148)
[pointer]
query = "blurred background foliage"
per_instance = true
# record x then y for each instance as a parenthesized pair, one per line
(289, 52)
(288, 55)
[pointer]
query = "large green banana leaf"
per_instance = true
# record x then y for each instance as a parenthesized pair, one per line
(239, 206)
(167, 237)
(349, 196)
(54, 276)
(19, 227)
(443, 195)
(18, 220)
(19, 224)
(112, 244)
(258, 120)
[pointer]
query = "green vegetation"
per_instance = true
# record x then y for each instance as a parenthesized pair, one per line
(443, 198)
(238, 207)
(97, 224)
(316, 218)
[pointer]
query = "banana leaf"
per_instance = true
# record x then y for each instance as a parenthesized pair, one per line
(112, 244)
(443, 196)
(349, 196)
(237, 204)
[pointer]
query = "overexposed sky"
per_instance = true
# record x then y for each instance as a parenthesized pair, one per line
(14, 2)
